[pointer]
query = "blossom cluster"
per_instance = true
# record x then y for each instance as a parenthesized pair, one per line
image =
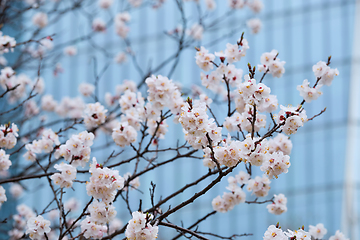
(132, 106)
(315, 232)
(3, 197)
(259, 186)
(105, 4)
(24, 213)
(121, 28)
(133, 113)
(274, 232)
(77, 149)
(45, 144)
(250, 93)
(104, 182)
(40, 19)
(254, 24)
(124, 134)
(8, 135)
(98, 25)
(324, 75)
(230, 199)
(6, 43)
(111, 100)
(86, 89)
(255, 5)
(101, 213)
(68, 107)
(271, 156)
(230, 152)
(275, 164)
(19, 83)
(66, 177)
(94, 115)
(103, 185)
(272, 64)
(232, 54)
(91, 229)
(307, 92)
(5, 163)
(196, 31)
(197, 126)
(279, 204)
(291, 119)
(240, 121)
(139, 227)
(70, 51)
(163, 93)
(16, 190)
(37, 227)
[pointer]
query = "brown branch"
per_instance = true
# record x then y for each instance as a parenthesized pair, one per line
(196, 223)
(196, 195)
(316, 115)
(181, 229)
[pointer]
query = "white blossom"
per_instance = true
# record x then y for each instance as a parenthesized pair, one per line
(77, 149)
(236, 4)
(298, 234)
(71, 107)
(91, 229)
(124, 134)
(309, 93)
(196, 31)
(120, 58)
(40, 19)
(98, 25)
(204, 59)
(260, 186)
(104, 182)
(318, 231)
(48, 103)
(338, 236)
(210, 4)
(94, 115)
(86, 89)
(66, 177)
(256, 5)
(2, 196)
(254, 24)
(5, 163)
(274, 233)
(101, 213)
(6, 43)
(70, 50)
(279, 205)
(37, 227)
(16, 190)
(105, 3)
(8, 135)
(140, 228)
(135, 3)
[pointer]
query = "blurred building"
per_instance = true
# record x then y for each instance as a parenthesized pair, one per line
(322, 184)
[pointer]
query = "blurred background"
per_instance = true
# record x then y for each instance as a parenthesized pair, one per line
(322, 184)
